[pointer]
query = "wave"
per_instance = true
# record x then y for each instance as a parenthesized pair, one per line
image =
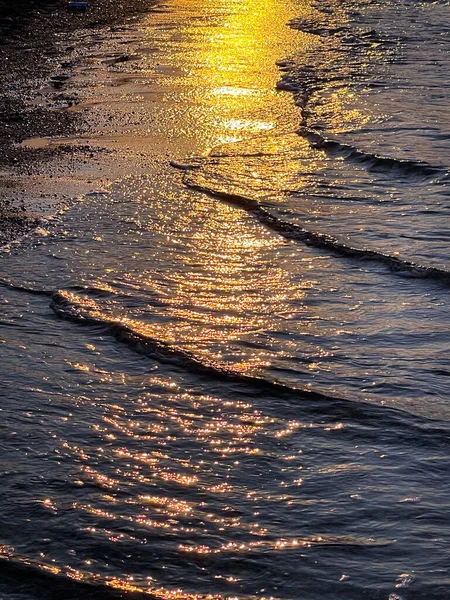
(17, 287)
(23, 576)
(84, 310)
(374, 162)
(318, 23)
(293, 231)
(100, 289)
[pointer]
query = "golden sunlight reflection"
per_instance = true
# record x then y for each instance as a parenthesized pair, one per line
(227, 289)
(223, 289)
(282, 544)
(228, 71)
(336, 111)
(172, 472)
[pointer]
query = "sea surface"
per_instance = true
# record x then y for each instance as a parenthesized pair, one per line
(227, 375)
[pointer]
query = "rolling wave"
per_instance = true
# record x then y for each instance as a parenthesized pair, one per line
(292, 231)
(40, 580)
(84, 310)
(374, 162)
(17, 287)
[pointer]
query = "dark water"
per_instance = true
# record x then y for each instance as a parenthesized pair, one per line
(232, 381)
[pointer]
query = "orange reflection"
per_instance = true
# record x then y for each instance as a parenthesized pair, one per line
(228, 76)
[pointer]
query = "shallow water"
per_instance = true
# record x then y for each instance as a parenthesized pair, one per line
(227, 374)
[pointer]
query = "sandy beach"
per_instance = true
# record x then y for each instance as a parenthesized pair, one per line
(41, 45)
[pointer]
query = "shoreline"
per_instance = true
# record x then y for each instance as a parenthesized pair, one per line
(35, 53)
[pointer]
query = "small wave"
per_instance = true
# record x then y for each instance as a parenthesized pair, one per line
(319, 24)
(373, 162)
(84, 310)
(24, 576)
(17, 287)
(287, 544)
(292, 231)
(100, 289)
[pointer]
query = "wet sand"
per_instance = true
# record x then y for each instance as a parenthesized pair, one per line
(38, 56)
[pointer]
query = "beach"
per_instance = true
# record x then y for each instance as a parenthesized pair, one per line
(37, 57)
(224, 301)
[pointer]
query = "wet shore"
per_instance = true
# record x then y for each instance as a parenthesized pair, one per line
(35, 59)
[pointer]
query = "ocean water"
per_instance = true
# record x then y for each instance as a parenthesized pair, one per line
(227, 374)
